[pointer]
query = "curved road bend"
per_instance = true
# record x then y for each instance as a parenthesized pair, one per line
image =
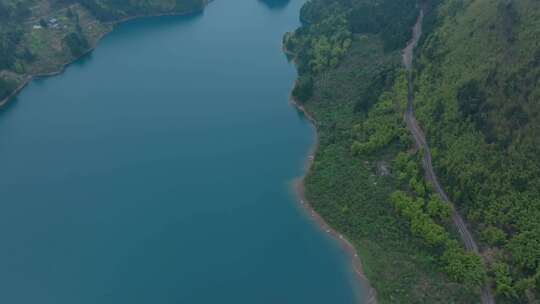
(421, 142)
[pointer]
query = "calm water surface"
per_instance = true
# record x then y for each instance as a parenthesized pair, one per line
(157, 170)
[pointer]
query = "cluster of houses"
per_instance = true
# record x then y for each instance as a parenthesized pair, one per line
(48, 23)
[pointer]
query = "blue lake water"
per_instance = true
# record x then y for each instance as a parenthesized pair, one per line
(157, 170)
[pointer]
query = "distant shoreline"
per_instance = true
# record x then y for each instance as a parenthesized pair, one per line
(298, 187)
(113, 24)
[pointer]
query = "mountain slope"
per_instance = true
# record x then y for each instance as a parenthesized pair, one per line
(352, 82)
(478, 100)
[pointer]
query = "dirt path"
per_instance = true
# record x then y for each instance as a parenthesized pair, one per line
(421, 143)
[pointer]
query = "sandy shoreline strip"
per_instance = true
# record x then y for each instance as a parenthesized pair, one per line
(370, 296)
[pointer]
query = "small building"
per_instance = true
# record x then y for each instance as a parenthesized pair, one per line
(53, 23)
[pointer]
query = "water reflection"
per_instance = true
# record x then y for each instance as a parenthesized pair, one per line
(83, 60)
(276, 4)
(9, 106)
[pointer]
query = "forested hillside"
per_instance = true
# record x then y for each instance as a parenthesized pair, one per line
(40, 36)
(478, 99)
(477, 96)
(366, 180)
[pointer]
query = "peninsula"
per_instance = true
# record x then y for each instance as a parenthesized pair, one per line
(40, 37)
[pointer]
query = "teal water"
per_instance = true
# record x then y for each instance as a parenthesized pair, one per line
(157, 170)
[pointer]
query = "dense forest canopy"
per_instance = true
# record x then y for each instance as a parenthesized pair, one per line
(479, 99)
(389, 18)
(331, 24)
(477, 94)
(350, 78)
(11, 13)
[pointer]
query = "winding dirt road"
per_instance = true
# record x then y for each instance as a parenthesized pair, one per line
(422, 144)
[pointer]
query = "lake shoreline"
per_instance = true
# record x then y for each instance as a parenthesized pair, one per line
(298, 187)
(159, 160)
(62, 68)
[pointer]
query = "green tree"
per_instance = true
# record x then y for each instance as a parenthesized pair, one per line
(525, 249)
(418, 186)
(462, 266)
(503, 280)
(439, 209)
(493, 236)
(76, 43)
(303, 89)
